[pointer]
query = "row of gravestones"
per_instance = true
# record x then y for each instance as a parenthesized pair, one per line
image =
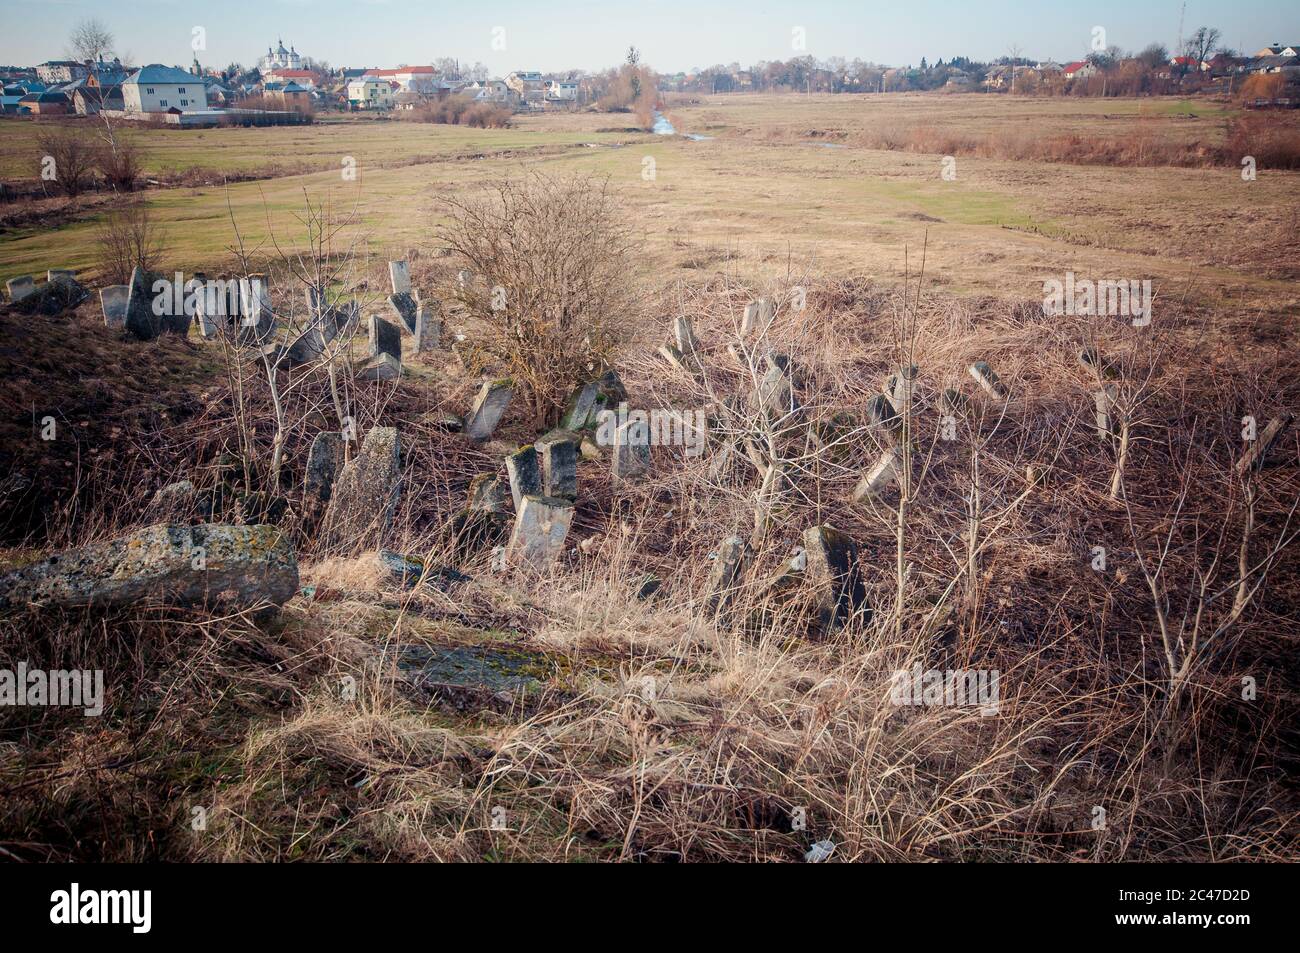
(19, 288)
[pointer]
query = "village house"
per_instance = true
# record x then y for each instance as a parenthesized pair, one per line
(371, 92)
(1081, 69)
(524, 82)
(1279, 49)
(561, 91)
(157, 89)
(412, 79)
(55, 72)
(48, 103)
(288, 96)
(303, 77)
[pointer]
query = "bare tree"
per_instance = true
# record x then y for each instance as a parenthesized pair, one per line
(66, 157)
(90, 41)
(127, 239)
(1202, 44)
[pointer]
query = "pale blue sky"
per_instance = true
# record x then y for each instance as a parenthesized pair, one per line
(589, 34)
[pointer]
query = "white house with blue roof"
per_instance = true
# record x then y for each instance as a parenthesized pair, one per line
(157, 89)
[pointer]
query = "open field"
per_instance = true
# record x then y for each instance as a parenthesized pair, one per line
(761, 192)
(1082, 526)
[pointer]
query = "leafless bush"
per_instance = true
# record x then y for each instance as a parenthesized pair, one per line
(549, 259)
(66, 156)
(127, 239)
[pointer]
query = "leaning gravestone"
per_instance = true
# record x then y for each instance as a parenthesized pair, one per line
(883, 474)
(488, 408)
(385, 338)
(113, 300)
(257, 321)
(364, 497)
(541, 526)
(833, 571)
(404, 308)
(486, 494)
(988, 380)
(559, 453)
(385, 367)
(590, 399)
(20, 287)
(141, 321)
(400, 276)
(525, 472)
(54, 273)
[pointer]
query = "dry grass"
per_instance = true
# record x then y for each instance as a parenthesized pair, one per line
(664, 733)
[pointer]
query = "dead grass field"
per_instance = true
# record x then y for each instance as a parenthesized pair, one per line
(989, 564)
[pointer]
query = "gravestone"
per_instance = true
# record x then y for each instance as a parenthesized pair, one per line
(750, 318)
(20, 287)
(400, 276)
(404, 308)
(464, 279)
(525, 472)
(590, 399)
(323, 462)
(901, 385)
(833, 571)
(1255, 457)
(726, 576)
(113, 300)
(985, 377)
(428, 327)
(1102, 368)
(340, 321)
(383, 367)
(140, 319)
(879, 478)
(306, 348)
(631, 450)
(486, 494)
(364, 498)
(257, 321)
(687, 345)
(1104, 402)
(774, 395)
(954, 402)
(541, 526)
(385, 338)
(559, 454)
(54, 273)
(488, 408)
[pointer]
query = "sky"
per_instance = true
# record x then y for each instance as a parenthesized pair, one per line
(673, 35)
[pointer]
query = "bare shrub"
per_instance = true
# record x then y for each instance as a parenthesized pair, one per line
(463, 111)
(120, 164)
(549, 258)
(70, 155)
(127, 239)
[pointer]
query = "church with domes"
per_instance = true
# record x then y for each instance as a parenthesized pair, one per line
(280, 58)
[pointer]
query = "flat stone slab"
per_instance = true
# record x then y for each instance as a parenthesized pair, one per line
(404, 307)
(141, 321)
(428, 327)
(174, 565)
(466, 675)
(385, 338)
(559, 451)
(524, 469)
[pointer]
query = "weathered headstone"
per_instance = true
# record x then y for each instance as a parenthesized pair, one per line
(901, 385)
(631, 450)
(541, 526)
(687, 345)
(323, 462)
(341, 320)
(1102, 368)
(590, 399)
(385, 338)
(464, 279)
(20, 287)
(954, 402)
(883, 474)
(985, 377)
(404, 308)
(486, 494)
(525, 472)
(774, 395)
(306, 348)
(365, 495)
(208, 564)
(727, 575)
(834, 573)
(257, 321)
(113, 300)
(141, 321)
(1104, 402)
(428, 327)
(559, 454)
(488, 408)
(1255, 457)
(383, 367)
(400, 276)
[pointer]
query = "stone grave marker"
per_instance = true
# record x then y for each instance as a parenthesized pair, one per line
(834, 573)
(20, 287)
(631, 451)
(488, 409)
(113, 301)
(541, 527)
(400, 276)
(559, 455)
(524, 469)
(726, 576)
